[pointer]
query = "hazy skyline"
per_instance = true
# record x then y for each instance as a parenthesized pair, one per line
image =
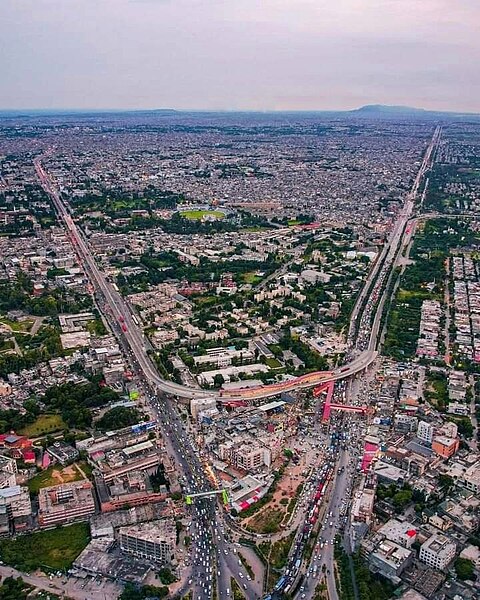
(239, 54)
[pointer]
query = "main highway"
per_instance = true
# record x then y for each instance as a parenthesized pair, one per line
(206, 524)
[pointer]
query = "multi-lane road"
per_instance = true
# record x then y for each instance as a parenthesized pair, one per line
(211, 550)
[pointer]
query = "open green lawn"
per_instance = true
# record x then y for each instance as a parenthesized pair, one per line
(196, 215)
(56, 475)
(273, 363)
(251, 277)
(18, 326)
(44, 425)
(55, 549)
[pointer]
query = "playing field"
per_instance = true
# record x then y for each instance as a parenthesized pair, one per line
(197, 215)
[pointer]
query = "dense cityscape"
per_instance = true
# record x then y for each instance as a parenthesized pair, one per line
(240, 355)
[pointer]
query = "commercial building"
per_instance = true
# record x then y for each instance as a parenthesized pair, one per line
(8, 470)
(471, 478)
(152, 541)
(437, 552)
(16, 504)
(62, 504)
(198, 405)
(249, 455)
(402, 533)
(131, 489)
(362, 506)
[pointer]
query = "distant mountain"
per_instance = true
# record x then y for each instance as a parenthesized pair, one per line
(385, 111)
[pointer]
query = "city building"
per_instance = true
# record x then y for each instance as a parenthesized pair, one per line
(425, 432)
(445, 446)
(249, 455)
(62, 504)
(151, 541)
(437, 552)
(390, 559)
(403, 533)
(16, 499)
(63, 453)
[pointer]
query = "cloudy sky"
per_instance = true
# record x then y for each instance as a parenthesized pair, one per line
(239, 54)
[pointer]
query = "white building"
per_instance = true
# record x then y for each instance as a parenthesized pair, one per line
(437, 552)
(425, 432)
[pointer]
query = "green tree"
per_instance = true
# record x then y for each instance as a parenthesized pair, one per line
(464, 568)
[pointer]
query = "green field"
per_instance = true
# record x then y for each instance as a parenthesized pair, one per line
(196, 215)
(44, 425)
(18, 326)
(55, 549)
(273, 363)
(251, 277)
(56, 475)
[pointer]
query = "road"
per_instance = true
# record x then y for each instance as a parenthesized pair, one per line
(364, 334)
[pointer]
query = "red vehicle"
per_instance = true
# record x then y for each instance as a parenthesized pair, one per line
(124, 327)
(121, 319)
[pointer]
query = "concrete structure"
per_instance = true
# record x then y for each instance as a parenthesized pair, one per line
(445, 446)
(198, 405)
(425, 432)
(8, 470)
(362, 506)
(152, 541)
(250, 456)
(437, 552)
(16, 499)
(402, 533)
(390, 559)
(63, 453)
(62, 504)
(471, 478)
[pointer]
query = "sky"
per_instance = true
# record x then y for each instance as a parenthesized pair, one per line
(239, 54)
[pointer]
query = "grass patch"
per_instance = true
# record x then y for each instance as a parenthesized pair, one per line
(18, 326)
(54, 549)
(251, 278)
(55, 475)
(267, 521)
(44, 425)
(236, 590)
(273, 363)
(279, 551)
(197, 215)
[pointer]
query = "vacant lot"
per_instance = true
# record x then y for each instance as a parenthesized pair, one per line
(44, 425)
(55, 549)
